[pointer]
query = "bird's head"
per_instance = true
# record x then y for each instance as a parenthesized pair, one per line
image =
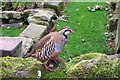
(65, 31)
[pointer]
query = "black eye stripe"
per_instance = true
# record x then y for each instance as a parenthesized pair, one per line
(64, 33)
(67, 30)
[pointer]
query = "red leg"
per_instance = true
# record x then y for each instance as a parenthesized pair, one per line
(55, 61)
(47, 68)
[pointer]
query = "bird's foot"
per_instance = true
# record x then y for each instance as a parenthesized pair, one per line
(47, 68)
(56, 60)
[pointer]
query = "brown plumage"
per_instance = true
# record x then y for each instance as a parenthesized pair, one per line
(50, 46)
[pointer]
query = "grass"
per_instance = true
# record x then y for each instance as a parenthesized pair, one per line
(12, 32)
(86, 25)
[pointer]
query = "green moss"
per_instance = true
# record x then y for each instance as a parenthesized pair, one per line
(89, 56)
(100, 66)
(11, 65)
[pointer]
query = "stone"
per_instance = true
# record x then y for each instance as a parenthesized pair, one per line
(26, 14)
(49, 12)
(10, 14)
(10, 46)
(37, 20)
(112, 23)
(27, 43)
(20, 24)
(21, 73)
(24, 47)
(34, 31)
(41, 17)
(115, 56)
(39, 4)
(1, 22)
(56, 5)
(101, 66)
(3, 16)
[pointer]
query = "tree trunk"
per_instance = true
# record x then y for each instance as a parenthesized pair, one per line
(117, 40)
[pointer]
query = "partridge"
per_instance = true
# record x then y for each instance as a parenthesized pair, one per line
(50, 46)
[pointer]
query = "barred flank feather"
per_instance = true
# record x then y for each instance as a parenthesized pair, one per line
(47, 49)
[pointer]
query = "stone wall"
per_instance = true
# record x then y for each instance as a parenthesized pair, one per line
(40, 23)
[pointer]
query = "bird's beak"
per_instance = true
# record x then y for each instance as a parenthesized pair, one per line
(71, 30)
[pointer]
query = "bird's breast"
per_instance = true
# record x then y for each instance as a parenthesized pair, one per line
(59, 46)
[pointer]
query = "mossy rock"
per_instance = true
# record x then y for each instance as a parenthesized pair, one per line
(11, 66)
(14, 67)
(93, 65)
(89, 56)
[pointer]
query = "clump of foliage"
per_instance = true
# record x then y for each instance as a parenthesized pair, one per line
(93, 65)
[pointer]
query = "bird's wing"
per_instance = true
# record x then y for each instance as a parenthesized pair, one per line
(39, 45)
(47, 49)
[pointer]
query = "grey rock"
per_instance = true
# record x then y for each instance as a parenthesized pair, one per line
(10, 46)
(34, 31)
(26, 45)
(10, 14)
(37, 20)
(112, 23)
(56, 5)
(3, 16)
(88, 65)
(20, 24)
(34, 11)
(22, 73)
(41, 17)
(115, 56)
